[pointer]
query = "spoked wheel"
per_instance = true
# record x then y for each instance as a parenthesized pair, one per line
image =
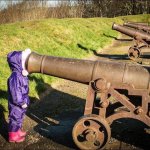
(91, 132)
(134, 53)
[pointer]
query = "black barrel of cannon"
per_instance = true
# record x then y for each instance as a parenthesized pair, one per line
(131, 32)
(84, 71)
(137, 26)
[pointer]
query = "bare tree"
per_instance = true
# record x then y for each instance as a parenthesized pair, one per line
(37, 9)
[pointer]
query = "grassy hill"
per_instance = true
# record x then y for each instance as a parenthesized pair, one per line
(72, 38)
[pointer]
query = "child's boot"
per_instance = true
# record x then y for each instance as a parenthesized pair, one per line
(21, 133)
(14, 137)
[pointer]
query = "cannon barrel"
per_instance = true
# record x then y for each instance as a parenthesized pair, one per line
(139, 23)
(84, 71)
(137, 26)
(131, 32)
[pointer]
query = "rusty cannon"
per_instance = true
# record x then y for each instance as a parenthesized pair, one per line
(141, 40)
(139, 23)
(105, 79)
(145, 28)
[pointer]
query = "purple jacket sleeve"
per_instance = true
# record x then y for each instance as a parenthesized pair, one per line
(15, 90)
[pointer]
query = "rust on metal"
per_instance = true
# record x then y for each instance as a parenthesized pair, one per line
(141, 39)
(106, 79)
(139, 23)
(91, 132)
(138, 26)
(134, 52)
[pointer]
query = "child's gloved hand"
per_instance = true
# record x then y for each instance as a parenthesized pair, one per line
(24, 106)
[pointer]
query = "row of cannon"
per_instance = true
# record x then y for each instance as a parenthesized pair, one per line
(128, 84)
(140, 32)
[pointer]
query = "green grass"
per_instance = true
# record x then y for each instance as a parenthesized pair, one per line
(57, 37)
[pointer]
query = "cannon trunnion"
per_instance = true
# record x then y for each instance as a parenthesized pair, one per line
(105, 79)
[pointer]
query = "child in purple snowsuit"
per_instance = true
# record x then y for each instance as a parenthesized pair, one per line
(18, 99)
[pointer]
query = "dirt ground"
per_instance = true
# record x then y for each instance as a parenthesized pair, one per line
(49, 121)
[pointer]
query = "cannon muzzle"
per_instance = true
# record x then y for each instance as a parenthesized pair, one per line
(137, 26)
(131, 32)
(84, 71)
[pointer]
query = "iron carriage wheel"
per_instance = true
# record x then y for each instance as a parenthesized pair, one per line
(91, 132)
(134, 52)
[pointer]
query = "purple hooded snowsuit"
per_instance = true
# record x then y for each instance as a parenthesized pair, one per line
(17, 91)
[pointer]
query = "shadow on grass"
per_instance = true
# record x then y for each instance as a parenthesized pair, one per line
(123, 40)
(110, 56)
(3, 122)
(83, 47)
(57, 113)
(41, 87)
(120, 56)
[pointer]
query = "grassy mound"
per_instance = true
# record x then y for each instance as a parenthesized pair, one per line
(74, 38)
